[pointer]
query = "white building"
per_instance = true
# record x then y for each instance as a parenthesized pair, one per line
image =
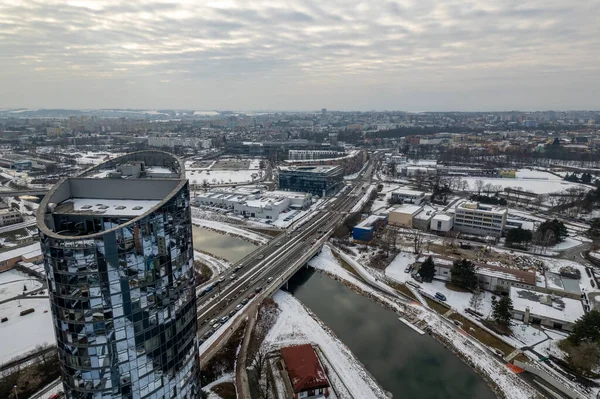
(302, 155)
(254, 203)
(481, 219)
(545, 309)
(10, 216)
(442, 223)
(176, 141)
(406, 196)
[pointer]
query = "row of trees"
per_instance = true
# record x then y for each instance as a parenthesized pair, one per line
(548, 233)
(585, 178)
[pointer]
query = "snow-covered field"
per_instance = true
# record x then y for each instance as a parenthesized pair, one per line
(230, 229)
(295, 326)
(12, 283)
(21, 334)
(223, 176)
(530, 180)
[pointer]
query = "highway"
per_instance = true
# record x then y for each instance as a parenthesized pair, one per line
(275, 258)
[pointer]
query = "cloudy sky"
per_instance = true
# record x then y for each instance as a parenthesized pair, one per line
(301, 55)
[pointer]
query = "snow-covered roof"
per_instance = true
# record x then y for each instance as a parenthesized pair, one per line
(104, 206)
(408, 192)
(442, 217)
(408, 209)
(545, 305)
(27, 252)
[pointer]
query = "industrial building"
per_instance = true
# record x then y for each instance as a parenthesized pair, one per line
(402, 216)
(303, 155)
(322, 181)
(254, 202)
(481, 219)
(119, 262)
(364, 231)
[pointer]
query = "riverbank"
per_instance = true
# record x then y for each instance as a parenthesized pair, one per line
(230, 230)
(500, 379)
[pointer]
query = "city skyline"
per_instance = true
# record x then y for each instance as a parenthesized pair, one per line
(350, 55)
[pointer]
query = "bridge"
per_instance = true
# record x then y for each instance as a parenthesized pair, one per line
(270, 267)
(19, 193)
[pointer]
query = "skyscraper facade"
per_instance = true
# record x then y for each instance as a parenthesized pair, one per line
(117, 246)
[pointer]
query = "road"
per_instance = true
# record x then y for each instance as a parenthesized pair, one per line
(17, 226)
(275, 258)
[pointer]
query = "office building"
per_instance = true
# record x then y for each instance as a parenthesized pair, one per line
(405, 196)
(316, 180)
(10, 216)
(301, 155)
(481, 219)
(119, 262)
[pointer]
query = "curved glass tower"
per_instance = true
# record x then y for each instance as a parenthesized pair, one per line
(117, 245)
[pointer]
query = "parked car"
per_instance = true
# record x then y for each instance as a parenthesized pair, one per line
(440, 296)
(269, 279)
(224, 319)
(215, 326)
(232, 277)
(407, 270)
(238, 307)
(258, 289)
(245, 301)
(232, 313)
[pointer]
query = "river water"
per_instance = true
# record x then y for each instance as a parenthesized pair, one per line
(405, 363)
(221, 245)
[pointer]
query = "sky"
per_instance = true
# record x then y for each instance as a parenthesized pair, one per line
(413, 55)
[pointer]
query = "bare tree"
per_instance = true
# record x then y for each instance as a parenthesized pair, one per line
(260, 364)
(479, 186)
(418, 242)
(476, 301)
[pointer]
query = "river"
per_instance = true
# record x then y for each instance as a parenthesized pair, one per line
(221, 245)
(405, 363)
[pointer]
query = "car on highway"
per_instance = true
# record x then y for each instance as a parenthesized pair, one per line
(207, 334)
(224, 319)
(213, 321)
(232, 313)
(238, 307)
(269, 279)
(232, 277)
(216, 326)
(251, 296)
(258, 289)
(260, 256)
(245, 301)
(278, 244)
(236, 269)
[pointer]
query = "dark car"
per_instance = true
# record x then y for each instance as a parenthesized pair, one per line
(258, 289)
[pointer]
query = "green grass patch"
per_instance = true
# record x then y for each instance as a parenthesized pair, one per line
(403, 289)
(438, 307)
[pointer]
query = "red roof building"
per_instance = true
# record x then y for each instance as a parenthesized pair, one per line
(306, 374)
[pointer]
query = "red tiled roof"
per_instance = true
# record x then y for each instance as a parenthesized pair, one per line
(303, 367)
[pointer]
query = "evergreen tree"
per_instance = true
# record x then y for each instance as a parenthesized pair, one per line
(427, 269)
(502, 310)
(518, 236)
(463, 274)
(586, 329)
(555, 226)
(586, 178)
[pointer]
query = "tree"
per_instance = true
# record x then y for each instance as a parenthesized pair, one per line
(556, 226)
(586, 178)
(501, 310)
(427, 269)
(585, 357)
(518, 236)
(463, 274)
(586, 329)
(476, 301)
(594, 230)
(479, 186)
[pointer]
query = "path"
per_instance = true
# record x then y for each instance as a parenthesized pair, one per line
(241, 374)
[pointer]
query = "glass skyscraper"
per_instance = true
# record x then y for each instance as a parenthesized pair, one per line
(118, 253)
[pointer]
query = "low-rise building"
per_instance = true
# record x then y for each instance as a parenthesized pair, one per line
(403, 215)
(10, 216)
(545, 309)
(306, 374)
(27, 253)
(316, 180)
(253, 202)
(480, 219)
(364, 231)
(442, 223)
(406, 196)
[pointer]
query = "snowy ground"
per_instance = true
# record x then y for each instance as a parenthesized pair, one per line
(230, 229)
(364, 199)
(24, 333)
(12, 283)
(396, 268)
(295, 326)
(223, 176)
(228, 377)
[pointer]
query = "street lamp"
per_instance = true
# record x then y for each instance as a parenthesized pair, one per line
(15, 389)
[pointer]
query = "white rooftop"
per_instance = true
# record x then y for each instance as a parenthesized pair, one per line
(563, 309)
(29, 251)
(408, 209)
(406, 191)
(110, 207)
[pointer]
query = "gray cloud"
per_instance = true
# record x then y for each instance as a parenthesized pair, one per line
(351, 54)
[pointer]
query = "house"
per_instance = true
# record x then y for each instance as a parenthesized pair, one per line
(307, 377)
(545, 309)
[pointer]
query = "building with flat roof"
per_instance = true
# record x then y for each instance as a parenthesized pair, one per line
(254, 202)
(316, 180)
(118, 257)
(480, 219)
(406, 196)
(403, 215)
(10, 216)
(442, 223)
(545, 309)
